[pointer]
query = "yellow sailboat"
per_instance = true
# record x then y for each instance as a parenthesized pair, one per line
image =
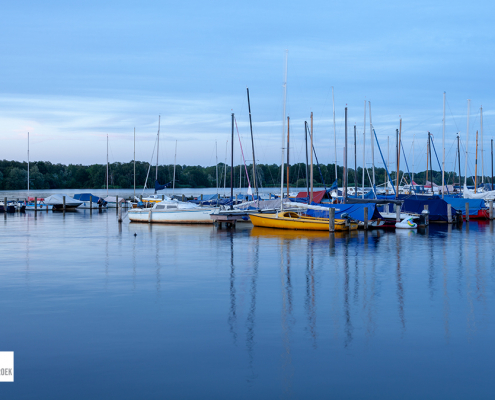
(292, 220)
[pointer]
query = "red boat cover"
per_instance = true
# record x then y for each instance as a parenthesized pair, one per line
(317, 196)
(39, 199)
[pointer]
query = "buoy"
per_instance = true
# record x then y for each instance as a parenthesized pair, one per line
(135, 234)
(406, 223)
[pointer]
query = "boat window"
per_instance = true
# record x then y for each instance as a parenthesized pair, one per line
(159, 207)
(169, 207)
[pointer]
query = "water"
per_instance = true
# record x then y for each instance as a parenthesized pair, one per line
(94, 312)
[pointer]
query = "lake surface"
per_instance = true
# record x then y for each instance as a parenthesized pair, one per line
(97, 310)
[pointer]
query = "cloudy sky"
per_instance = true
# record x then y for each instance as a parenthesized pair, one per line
(73, 72)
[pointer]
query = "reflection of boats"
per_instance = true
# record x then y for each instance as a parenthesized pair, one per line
(173, 212)
(57, 201)
(292, 220)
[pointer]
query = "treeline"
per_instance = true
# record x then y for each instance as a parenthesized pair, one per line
(45, 175)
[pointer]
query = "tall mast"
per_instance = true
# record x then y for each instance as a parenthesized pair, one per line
(175, 163)
(345, 158)
(216, 165)
(467, 143)
(311, 168)
(412, 179)
(431, 166)
(372, 146)
(396, 163)
(134, 161)
(28, 168)
(288, 165)
(307, 168)
(388, 154)
(427, 158)
(283, 136)
(443, 147)
(355, 163)
(482, 162)
(364, 147)
(334, 135)
(459, 161)
(157, 149)
(252, 144)
(492, 163)
(476, 165)
(232, 166)
(398, 158)
(107, 164)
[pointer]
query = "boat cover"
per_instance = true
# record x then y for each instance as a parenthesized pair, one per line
(416, 204)
(113, 199)
(317, 196)
(460, 204)
(85, 197)
(355, 211)
(57, 199)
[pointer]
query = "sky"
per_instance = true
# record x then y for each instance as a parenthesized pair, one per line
(73, 73)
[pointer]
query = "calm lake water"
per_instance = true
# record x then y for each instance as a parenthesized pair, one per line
(93, 311)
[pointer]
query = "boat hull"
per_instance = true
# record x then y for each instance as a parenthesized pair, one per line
(309, 224)
(188, 216)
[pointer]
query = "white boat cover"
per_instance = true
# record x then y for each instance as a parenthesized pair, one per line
(57, 199)
(469, 194)
(113, 199)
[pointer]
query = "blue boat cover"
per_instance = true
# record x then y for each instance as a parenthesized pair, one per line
(85, 197)
(416, 204)
(355, 211)
(460, 204)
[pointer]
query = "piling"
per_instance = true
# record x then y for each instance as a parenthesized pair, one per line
(331, 220)
(119, 209)
(5, 207)
(35, 204)
(365, 218)
(201, 197)
(449, 213)
(467, 212)
(63, 199)
(183, 198)
(490, 207)
(397, 213)
(117, 203)
(90, 203)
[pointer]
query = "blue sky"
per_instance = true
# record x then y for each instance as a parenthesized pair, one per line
(72, 73)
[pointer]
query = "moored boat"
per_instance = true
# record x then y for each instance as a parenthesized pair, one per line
(173, 212)
(292, 220)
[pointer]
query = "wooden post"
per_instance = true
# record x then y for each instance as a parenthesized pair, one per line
(90, 203)
(201, 197)
(35, 204)
(427, 218)
(117, 203)
(119, 208)
(467, 212)
(5, 206)
(449, 213)
(163, 197)
(365, 218)
(331, 220)
(397, 213)
(490, 207)
(63, 203)
(183, 198)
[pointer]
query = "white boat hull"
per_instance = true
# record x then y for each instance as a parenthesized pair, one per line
(87, 205)
(187, 216)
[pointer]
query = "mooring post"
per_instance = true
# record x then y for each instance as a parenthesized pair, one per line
(449, 213)
(397, 213)
(236, 202)
(35, 204)
(163, 197)
(467, 212)
(183, 198)
(490, 208)
(331, 220)
(63, 202)
(119, 209)
(90, 203)
(365, 218)
(201, 197)
(5, 206)
(427, 216)
(117, 203)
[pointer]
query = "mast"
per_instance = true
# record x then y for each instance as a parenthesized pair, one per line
(388, 154)
(252, 144)
(459, 162)
(467, 142)
(232, 166)
(345, 159)
(335, 135)
(364, 147)
(107, 164)
(482, 162)
(311, 168)
(175, 163)
(398, 158)
(157, 149)
(396, 163)
(412, 179)
(134, 162)
(283, 136)
(427, 158)
(372, 147)
(431, 166)
(476, 165)
(28, 170)
(355, 164)
(443, 146)
(307, 168)
(288, 165)
(216, 165)
(492, 163)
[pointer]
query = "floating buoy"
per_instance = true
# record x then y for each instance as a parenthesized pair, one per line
(406, 223)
